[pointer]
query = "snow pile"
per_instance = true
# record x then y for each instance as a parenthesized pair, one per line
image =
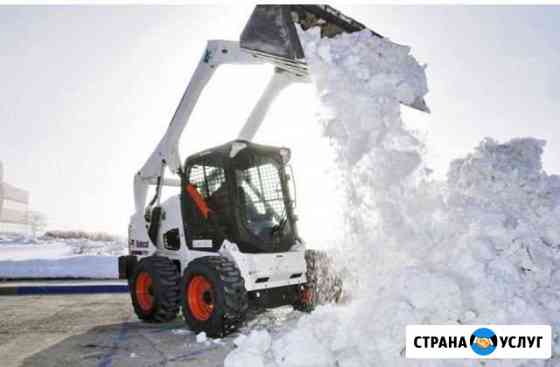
(77, 234)
(201, 337)
(505, 211)
(11, 238)
(49, 257)
(482, 247)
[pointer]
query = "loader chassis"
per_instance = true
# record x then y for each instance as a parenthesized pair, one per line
(234, 203)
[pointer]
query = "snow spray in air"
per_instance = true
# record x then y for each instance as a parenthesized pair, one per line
(481, 247)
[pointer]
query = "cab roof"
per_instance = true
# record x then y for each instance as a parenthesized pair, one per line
(228, 151)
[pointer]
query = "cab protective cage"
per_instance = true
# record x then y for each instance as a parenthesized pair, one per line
(247, 190)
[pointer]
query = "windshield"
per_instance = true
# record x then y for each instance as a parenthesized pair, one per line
(261, 198)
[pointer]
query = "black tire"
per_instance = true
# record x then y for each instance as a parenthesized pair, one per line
(226, 296)
(164, 289)
(323, 285)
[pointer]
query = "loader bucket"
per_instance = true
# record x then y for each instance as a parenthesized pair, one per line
(271, 33)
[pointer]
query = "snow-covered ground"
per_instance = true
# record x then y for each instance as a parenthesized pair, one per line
(47, 257)
(481, 247)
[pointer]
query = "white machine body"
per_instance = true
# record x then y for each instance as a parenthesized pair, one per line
(260, 271)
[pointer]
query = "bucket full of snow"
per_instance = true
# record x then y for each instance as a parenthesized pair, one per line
(272, 33)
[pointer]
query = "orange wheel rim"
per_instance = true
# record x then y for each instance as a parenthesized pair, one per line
(144, 291)
(200, 297)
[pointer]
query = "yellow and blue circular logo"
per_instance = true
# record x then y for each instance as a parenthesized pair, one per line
(483, 341)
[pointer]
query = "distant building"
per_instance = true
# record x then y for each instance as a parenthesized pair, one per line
(14, 207)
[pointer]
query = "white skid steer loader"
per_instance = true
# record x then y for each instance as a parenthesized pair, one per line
(228, 240)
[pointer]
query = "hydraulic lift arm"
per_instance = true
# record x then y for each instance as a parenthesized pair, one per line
(217, 53)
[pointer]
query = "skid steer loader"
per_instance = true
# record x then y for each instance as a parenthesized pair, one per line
(228, 240)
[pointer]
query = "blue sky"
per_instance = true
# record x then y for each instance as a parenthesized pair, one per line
(88, 91)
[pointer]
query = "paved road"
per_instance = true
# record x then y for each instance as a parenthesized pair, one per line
(95, 330)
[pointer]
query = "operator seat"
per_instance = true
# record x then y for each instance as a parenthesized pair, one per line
(220, 204)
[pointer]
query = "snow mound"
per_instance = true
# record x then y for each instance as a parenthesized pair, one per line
(16, 238)
(481, 247)
(48, 257)
(201, 337)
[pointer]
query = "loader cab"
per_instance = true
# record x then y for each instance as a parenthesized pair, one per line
(246, 189)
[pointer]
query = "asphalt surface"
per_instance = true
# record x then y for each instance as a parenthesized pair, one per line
(97, 330)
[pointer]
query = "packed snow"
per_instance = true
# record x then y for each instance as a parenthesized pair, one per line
(201, 337)
(481, 247)
(53, 257)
